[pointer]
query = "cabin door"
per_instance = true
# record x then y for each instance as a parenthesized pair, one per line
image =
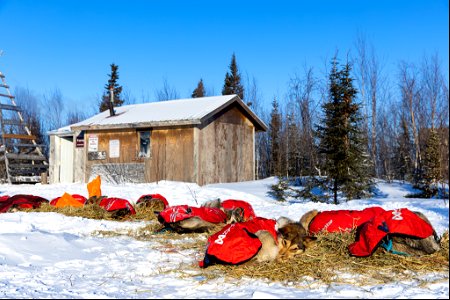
(66, 163)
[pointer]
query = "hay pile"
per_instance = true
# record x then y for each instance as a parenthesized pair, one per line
(94, 211)
(330, 262)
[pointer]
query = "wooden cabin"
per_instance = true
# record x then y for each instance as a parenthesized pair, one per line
(201, 140)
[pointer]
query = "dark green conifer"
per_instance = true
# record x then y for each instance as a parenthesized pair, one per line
(199, 90)
(117, 90)
(275, 136)
(232, 84)
(431, 165)
(342, 139)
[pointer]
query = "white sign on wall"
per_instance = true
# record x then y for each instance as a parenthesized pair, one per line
(93, 143)
(114, 146)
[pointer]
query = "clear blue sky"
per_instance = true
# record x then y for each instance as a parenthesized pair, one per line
(70, 45)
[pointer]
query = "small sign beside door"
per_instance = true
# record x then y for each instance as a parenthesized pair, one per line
(79, 142)
(93, 143)
(114, 147)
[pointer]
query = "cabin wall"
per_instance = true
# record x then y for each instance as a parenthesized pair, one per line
(172, 155)
(226, 148)
(171, 158)
(115, 157)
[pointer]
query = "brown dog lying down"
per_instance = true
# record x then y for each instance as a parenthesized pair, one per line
(186, 219)
(399, 243)
(292, 239)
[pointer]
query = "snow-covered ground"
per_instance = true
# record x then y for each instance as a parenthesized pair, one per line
(49, 255)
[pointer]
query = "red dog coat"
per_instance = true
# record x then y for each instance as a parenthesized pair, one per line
(237, 243)
(400, 221)
(178, 213)
(342, 220)
(248, 209)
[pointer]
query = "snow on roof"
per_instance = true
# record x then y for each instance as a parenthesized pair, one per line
(181, 111)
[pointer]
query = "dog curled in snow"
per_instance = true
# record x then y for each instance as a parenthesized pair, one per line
(399, 231)
(155, 202)
(256, 240)
(237, 210)
(293, 238)
(185, 218)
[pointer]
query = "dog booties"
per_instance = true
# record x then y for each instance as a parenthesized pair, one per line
(173, 214)
(392, 222)
(237, 243)
(342, 220)
(249, 213)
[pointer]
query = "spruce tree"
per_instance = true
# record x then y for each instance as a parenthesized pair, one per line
(232, 84)
(274, 141)
(341, 138)
(402, 156)
(199, 90)
(117, 89)
(431, 165)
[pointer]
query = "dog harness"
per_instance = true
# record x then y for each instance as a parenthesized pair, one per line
(392, 222)
(236, 243)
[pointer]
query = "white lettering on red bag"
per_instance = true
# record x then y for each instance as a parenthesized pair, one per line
(397, 215)
(325, 227)
(220, 238)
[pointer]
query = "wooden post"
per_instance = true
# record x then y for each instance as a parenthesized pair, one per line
(44, 178)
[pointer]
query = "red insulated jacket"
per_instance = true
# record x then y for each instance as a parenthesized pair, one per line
(112, 204)
(249, 213)
(400, 221)
(342, 220)
(153, 197)
(237, 243)
(178, 213)
(21, 201)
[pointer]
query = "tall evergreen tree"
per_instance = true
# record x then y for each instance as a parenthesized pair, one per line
(232, 84)
(342, 139)
(402, 156)
(431, 165)
(274, 140)
(117, 89)
(199, 90)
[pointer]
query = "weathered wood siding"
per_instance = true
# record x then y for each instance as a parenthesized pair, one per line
(128, 148)
(225, 147)
(172, 155)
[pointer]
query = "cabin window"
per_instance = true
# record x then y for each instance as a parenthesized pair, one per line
(144, 144)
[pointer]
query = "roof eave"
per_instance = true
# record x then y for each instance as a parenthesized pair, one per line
(137, 125)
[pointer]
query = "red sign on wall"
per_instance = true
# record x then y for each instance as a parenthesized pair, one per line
(79, 142)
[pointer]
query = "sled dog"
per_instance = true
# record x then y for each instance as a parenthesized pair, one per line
(292, 239)
(404, 244)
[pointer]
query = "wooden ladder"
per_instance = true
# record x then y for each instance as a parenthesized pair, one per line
(21, 158)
